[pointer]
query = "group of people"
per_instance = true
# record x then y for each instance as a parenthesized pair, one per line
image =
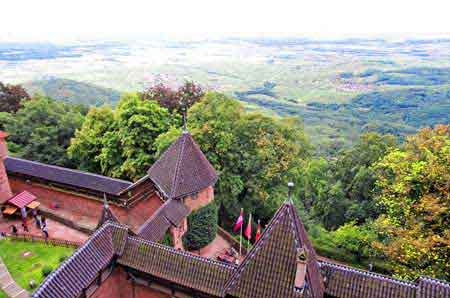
(39, 220)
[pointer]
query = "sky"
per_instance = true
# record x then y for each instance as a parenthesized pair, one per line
(47, 20)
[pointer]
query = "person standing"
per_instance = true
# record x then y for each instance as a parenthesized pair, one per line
(14, 230)
(38, 222)
(45, 231)
(25, 225)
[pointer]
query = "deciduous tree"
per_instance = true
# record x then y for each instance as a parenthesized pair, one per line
(11, 97)
(414, 190)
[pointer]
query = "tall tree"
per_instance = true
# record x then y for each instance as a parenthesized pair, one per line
(41, 130)
(87, 144)
(175, 100)
(353, 170)
(11, 97)
(414, 190)
(121, 143)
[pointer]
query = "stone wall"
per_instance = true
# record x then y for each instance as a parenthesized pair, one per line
(201, 199)
(84, 208)
(5, 190)
(118, 286)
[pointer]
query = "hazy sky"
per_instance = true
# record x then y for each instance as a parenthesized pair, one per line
(53, 19)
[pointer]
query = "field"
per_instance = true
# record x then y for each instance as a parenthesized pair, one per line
(321, 81)
(25, 260)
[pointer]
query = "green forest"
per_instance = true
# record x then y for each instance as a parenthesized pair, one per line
(384, 200)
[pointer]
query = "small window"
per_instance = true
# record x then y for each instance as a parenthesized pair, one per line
(194, 196)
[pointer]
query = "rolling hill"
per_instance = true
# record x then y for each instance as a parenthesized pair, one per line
(73, 91)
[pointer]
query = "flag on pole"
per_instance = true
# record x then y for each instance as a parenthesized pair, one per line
(258, 231)
(239, 222)
(248, 230)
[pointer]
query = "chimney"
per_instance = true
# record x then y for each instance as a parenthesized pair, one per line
(5, 189)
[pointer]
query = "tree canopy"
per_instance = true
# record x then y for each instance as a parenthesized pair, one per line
(413, 184)
(122, 145)
(41, 130)
(175, 100)
(11, 97)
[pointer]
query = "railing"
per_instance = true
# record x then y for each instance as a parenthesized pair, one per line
(41, 239)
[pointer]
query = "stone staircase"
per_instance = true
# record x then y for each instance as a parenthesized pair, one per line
(8, 285)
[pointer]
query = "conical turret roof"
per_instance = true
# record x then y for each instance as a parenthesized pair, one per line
(182, 169)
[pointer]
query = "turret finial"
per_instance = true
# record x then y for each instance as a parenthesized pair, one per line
(290, 187)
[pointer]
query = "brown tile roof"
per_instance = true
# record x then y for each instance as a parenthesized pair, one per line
(80, 270)
(182, 268)
(65, 176)
(269, 270)
(182, 169)
(347, 282)
(171, 213)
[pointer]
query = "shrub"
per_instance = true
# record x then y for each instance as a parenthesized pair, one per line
(46, 270)
(202, 227)
(62, 258)
(167, 240)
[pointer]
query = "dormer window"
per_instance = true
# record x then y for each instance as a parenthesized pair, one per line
(302, 256)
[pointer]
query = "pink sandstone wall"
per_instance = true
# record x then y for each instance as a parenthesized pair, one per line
(117, 286)
(87, 209)
(5, 189)
(203, 198)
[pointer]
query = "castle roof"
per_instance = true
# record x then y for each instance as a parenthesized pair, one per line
(182, 169)
(65, 176)
(269, 270)
(171, 213)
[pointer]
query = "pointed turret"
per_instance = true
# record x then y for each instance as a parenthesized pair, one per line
(107, 214)
(183, 169)
(273, 266)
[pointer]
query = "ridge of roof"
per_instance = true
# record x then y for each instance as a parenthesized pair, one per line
(98, 182)
(178, 165)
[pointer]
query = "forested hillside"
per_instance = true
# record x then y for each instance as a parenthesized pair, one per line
(382, 200)
(73, 91)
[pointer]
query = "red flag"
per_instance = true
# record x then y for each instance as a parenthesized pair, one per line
(248, 230)
(258, 231)
(239, 222)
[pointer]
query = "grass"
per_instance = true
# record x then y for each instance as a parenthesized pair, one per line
(3, 294)
(24, 268)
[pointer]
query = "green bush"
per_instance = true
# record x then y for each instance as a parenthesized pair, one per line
(62, 258)
(167, 240)
(202, 227)
(46, 270)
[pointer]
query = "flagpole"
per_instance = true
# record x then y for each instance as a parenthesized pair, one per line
(240, 244)
(250, 224)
